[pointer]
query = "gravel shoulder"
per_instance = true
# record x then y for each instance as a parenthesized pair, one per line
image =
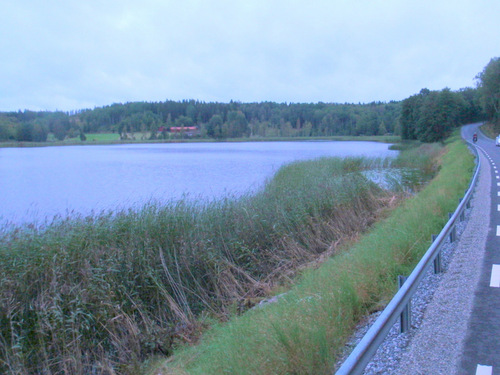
(442, 305)
(445, 320)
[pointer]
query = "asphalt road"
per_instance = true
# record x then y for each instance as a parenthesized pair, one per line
(481, 351)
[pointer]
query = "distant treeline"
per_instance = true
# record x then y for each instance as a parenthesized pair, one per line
(214, 120)
(428, 116)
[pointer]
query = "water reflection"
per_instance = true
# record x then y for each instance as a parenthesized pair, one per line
(398, 179)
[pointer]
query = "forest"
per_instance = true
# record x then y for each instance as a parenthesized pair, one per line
(214, 120)
(428, 116)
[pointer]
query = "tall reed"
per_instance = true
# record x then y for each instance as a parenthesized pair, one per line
(306, 331)
(99, 294)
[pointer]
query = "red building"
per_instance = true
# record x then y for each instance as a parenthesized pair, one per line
(186, 130)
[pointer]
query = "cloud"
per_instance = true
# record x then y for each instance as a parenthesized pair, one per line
(74, 54)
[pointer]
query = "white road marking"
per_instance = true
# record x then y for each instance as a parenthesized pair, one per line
(498, 230)
(498, 176)
(498, 183)
(495, 276)
(498, 207)
(498, 194)
(484, 370)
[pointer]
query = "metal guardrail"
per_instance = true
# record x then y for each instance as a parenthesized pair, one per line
(365, 350)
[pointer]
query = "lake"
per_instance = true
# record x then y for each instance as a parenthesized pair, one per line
(38, 183)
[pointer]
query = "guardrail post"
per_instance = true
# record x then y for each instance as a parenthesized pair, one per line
(453, 230)
(437, 259)
(405, 318)
(473, 188)
(462, 214)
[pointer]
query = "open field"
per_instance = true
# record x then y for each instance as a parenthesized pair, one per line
(102, 137)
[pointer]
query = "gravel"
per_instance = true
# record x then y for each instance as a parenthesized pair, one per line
(442, 304)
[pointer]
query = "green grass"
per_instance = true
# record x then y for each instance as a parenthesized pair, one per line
(305, 331)
(490, 130)
(102, 137)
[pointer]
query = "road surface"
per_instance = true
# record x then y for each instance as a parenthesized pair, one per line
(481, 350)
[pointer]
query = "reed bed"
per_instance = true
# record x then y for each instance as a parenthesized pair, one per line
(100, 294)
(305, 332)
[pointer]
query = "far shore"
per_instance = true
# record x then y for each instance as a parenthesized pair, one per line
(103, 141)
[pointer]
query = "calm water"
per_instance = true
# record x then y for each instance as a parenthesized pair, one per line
(42, 182)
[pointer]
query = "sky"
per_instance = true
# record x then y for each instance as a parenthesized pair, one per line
(76, 54)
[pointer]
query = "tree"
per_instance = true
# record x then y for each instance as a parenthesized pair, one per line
(306, 129)
(184, 121)
(382, 130)
(214, 127)
(40, 131)
(410, 114)
(286, 129)
(59, 124)
(489, 90)
(24, 132)
(8, 128)
(472, 110)
(430, 116)
(439, 114)
(237, 124)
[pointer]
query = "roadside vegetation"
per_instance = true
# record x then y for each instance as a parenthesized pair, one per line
(100, 294)
(305, 331)
(489, 130)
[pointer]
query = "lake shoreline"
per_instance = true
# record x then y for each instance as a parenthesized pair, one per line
(75, 142)
(48, 181)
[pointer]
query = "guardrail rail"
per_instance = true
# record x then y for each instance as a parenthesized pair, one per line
(367, 347)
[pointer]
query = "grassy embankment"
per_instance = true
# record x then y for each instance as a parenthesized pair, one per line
(489, 130)
(94, 293)
(306, 330)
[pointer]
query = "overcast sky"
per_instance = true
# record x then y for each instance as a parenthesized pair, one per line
(75, 54)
